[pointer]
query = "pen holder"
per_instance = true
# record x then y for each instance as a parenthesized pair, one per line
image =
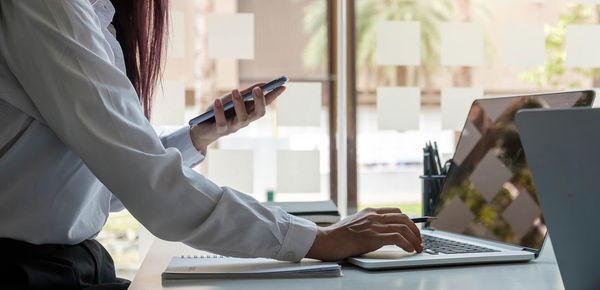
(431, 186)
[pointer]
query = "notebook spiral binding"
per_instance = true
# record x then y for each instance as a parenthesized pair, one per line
(202, 256)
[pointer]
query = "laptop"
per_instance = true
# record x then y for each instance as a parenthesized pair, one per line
(487, 209)
(562, 151)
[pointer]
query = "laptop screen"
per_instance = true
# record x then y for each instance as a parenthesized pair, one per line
(489, 191)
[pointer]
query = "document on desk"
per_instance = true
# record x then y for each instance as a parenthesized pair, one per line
(218, 267)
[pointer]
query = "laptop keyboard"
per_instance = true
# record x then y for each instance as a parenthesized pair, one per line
(434, 245)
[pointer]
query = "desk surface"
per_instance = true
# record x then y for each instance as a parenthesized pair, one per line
(538, 274)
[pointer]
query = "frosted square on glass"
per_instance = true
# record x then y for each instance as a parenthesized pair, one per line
(398, 108)
(585, 1)
(524, 45)
(298, 171)
(462, 44)
(398, 43)
(582, 46)
(231, 35)
(177, 35)
(169, 104)
(232, 168)
(456, 103)
(300, 104)
(227, 72)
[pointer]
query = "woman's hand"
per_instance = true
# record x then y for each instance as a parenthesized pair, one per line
(245, 113)
(366, 231)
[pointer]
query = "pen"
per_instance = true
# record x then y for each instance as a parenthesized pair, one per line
(426, 162)
(437, 157)
(433, 162)
(423, 219)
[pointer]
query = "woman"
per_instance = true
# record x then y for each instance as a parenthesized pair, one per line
(75, 143)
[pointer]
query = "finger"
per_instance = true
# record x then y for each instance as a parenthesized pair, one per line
(226, 98)
(388, 210)
(240, 108)
(220, 120)
(250, 88)
(272, 95)
(395, 239)
(259, 103)
(369, 209)
(402, 229)
(399, 218)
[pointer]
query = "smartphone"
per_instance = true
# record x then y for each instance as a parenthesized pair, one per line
(228, 107)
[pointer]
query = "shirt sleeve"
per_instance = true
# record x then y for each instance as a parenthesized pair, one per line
(59, 55)
(181, 140)
(115, 203)
(170, 138)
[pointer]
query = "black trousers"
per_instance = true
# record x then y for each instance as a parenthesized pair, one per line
(86, 265)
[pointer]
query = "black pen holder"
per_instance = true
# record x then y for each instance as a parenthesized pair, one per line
(431, 185)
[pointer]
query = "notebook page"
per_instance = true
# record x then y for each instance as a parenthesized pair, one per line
(227, 265)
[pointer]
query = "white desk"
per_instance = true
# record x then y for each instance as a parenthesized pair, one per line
(538, 274)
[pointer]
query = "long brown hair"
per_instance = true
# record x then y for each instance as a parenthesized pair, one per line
(141, 27)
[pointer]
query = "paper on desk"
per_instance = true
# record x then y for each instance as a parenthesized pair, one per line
(207, 267)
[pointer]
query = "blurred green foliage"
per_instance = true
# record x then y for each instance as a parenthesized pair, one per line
(119, 222)
(554, 73)
(370, 12)
(415, 209)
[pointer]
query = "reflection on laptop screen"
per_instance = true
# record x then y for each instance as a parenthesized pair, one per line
(489, 190)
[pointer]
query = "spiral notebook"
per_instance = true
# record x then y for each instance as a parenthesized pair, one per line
(218, 267)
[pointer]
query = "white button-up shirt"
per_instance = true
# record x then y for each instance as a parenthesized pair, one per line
(74, 143)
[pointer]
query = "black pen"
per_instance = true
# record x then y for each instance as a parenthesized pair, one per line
(437, 157)
(423, 219)
(426, 162)
(433, 162)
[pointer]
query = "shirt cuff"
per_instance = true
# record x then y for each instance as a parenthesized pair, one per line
(182, 140)
(298, 240)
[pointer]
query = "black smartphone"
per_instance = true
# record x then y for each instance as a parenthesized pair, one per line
(228, 107)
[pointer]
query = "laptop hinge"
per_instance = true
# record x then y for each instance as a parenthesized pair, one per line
(534, 251)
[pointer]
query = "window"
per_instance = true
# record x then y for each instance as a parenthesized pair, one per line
(419, 64)
(413, 68)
